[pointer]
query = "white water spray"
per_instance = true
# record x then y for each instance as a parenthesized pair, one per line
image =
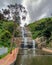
(33, 47)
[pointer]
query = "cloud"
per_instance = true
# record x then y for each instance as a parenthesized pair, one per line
(42, 16)
(37, 9)
(4, 3)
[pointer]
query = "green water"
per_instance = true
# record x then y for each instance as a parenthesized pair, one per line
(32, 56)
(40, 60)
(27, 57)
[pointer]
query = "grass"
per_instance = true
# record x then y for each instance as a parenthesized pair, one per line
(2, 56)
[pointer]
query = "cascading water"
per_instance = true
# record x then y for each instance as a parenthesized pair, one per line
(33, 44)
(34, 47)
(27, 53)
(24, 38)
(22, 33)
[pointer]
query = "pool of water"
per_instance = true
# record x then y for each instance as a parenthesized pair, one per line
(3, 50)
(26, 55)
(40, 60)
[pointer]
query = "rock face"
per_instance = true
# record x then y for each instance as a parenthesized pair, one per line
(41, 42)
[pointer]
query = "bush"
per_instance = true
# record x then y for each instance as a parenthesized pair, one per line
(8, 26)
(6, 30)
(5, 36)
(16, 33)
(39, 27)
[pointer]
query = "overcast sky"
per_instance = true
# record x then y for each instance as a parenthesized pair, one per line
(37, 9)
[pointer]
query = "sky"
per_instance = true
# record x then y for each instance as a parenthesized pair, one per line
(37, 9)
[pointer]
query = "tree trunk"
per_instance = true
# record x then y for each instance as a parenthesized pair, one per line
(13, 39)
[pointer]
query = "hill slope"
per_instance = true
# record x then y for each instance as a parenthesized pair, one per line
(6, 31)
(37, 28)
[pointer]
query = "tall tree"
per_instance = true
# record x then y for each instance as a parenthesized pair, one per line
(16, 10)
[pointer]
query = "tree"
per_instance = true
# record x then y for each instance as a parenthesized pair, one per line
(4, 38)
(6, 12)
(16, 10)
(47, 35)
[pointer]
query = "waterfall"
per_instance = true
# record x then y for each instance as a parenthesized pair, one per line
(24, 38)
(33, 44)
(25, 41)
(22, 32)
(33, 47)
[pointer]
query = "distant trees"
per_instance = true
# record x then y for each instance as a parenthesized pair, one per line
(47, 35)
(9, 26)
(41, 27)
(5, 36)
(5, 33)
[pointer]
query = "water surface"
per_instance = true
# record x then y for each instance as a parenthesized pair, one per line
(3, 50)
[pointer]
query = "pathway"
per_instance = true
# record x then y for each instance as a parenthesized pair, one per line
(47, 50)
(10, 58)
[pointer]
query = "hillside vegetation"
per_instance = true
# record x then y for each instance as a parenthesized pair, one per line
(37, 28)
(41, 28)
(6, 30)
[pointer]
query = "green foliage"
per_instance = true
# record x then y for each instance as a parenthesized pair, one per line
(16, 33)
(47, 34)
(5, 36)
(1, 56)
(37, 28)
(6, 30)
(8, 26)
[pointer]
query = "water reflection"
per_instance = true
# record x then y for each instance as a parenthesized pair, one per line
(27, 49)
(3, 50)
(27, 52)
